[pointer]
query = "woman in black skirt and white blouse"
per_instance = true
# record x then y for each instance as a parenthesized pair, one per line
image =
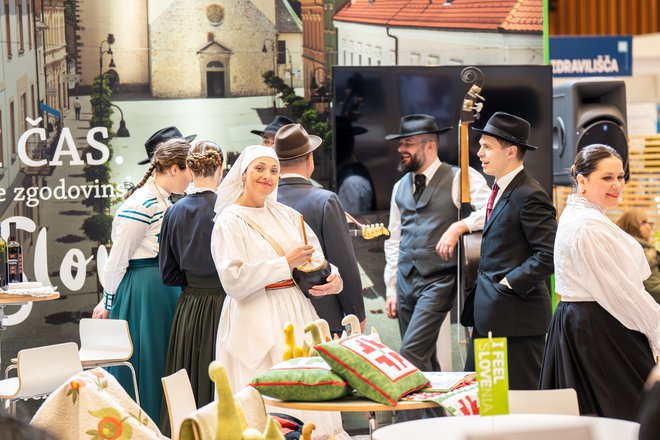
(185, 260)
(605, 334)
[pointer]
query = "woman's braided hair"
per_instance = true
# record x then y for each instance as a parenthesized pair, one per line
(168, 153)
(204, 158)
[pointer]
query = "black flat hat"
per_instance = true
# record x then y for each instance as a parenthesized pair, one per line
(161, 136)
(344, 127)
(277, 123)
(412, 125)
(508, 127)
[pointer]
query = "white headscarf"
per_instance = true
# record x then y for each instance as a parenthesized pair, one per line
(232, 185)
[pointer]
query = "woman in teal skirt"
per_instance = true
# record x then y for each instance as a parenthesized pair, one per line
(186, 261)
(133, 289)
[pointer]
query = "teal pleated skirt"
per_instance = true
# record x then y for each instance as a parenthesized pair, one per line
(148, 306)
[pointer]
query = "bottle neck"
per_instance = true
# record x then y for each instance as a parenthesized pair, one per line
(12, 231)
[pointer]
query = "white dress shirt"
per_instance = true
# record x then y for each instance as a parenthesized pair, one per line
(504, 181)
(479, 194)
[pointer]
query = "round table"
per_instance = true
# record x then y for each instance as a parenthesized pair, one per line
(350, 404)
(460, 428)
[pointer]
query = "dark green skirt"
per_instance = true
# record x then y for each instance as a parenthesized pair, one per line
(148, 306)
(192, 341)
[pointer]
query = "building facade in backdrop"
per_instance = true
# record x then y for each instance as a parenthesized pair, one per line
(458, 32)
(191, 48)
(18, 87)
(319, 47)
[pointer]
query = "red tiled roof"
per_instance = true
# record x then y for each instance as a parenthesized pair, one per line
(484, 15)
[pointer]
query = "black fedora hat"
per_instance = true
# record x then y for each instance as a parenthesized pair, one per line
(412, 125)
(508, 127)
(161, 136)
(344, 127)
(277, 123)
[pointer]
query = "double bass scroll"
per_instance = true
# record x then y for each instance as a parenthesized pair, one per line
(470, 111)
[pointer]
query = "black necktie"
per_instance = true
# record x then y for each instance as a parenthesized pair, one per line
(420, 184)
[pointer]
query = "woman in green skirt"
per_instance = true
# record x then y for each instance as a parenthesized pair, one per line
(186, 261)
(132, 286)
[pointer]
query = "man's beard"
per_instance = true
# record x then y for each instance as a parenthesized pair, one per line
(413, 165)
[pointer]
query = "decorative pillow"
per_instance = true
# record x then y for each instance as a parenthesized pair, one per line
(462, 401)
(373, 369)
(305, 379)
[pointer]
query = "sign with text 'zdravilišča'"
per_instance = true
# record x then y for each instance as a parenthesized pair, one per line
(591, 56)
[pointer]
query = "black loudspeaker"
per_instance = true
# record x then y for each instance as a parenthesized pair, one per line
(587, 112)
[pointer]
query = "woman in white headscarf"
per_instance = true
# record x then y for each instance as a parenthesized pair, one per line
(256, 243)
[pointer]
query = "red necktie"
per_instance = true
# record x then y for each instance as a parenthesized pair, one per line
(491, 201)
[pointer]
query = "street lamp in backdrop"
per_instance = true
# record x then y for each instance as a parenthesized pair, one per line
(122, 131)
(290, 68)
(273, 48)
(110, 40)
(319, 92)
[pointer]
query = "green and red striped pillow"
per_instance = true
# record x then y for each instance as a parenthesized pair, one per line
(373, 369)
(305, 379)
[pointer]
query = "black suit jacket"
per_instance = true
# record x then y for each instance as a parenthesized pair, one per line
(518, 243)
(324, 213)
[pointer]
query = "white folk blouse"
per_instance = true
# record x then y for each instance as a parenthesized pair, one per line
(595, 260)
(135, 231)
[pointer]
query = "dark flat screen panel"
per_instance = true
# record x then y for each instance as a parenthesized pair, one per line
(375, 98)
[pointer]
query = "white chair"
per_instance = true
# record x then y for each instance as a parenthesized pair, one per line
(107, 343)
(179, 398)
(40, 371)
(562, 402)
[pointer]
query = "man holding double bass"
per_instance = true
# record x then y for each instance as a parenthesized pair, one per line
(420, 286)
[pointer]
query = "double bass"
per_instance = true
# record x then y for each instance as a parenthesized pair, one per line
(470, 111)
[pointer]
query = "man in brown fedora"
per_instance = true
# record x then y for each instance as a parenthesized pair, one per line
(324, 213)
(420, 286)
(511, 296)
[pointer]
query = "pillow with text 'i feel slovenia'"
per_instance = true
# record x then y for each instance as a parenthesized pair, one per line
(373, 369)
(305, 379)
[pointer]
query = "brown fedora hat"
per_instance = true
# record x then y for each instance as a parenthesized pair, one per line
(292, 141)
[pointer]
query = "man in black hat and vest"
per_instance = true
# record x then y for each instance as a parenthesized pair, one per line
(268, 133)
(511, 296)
(324, 213)
(420, 285)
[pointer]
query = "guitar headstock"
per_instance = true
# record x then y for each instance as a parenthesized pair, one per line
(374, 231)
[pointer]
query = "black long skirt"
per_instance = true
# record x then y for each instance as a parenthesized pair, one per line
(592, 352)
(192, 342)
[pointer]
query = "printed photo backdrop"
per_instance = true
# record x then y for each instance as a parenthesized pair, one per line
(84, 83)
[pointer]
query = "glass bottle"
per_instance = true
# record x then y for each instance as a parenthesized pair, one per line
(15, 256)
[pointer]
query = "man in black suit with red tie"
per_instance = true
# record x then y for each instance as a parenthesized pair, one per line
(511, 296)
